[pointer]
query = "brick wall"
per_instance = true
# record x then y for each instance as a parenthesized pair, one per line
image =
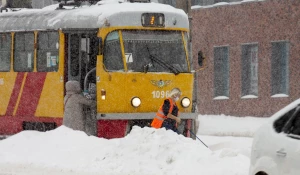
(232, 25)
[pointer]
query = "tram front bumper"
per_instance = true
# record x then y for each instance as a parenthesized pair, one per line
(139, 116)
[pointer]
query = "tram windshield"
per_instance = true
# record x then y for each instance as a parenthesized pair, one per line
(146, 51)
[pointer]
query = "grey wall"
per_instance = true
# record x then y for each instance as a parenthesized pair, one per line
(42, 3)
(28, 3)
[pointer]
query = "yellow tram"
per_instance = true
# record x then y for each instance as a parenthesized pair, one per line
(130, 55)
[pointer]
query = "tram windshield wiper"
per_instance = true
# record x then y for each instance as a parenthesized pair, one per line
(147, 66)
(162, 63)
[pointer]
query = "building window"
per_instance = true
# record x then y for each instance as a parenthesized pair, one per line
(196, 2)
(217, 1)
(280, 68)
(23, 52)
(47, 53)
(249, 66)
(221, 72)
(5, 48)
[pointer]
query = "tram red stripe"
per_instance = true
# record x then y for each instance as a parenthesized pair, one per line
(14, 95)
(31, 94)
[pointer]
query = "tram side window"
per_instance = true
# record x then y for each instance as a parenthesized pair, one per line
(47, 53)
(5, 48)
(112, 52)
(23, 52)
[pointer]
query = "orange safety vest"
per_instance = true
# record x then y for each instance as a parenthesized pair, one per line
(160, 117)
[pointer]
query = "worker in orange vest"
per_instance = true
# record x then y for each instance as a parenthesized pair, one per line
(167, 114)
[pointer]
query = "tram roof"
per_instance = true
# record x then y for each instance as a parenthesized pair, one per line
(95, 16)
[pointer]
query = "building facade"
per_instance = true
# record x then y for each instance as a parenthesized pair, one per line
(252, 56)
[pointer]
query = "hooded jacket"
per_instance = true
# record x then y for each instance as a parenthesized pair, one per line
(73, 115)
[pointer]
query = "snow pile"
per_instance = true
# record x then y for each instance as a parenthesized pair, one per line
(241, 145)
(222, 125)
(145, 151)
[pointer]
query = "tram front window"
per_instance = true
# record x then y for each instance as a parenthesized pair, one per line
(154, 51)
(112, 52)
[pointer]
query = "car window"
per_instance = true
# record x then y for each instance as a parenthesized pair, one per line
(293, 124)
(280, 123)
(295, 127)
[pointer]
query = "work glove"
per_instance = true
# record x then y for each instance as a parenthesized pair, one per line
(87, 95)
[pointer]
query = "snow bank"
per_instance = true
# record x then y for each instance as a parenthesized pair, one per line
(145, 151)
(222, 125)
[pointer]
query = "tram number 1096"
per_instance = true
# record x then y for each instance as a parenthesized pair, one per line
(160, 94)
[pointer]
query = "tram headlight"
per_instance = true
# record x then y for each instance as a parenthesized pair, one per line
(185, 102)
(136, 102)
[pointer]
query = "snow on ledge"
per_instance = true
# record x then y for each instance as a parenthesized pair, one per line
(221, 98)
(279, 95)
(249, 96)
(223, 4)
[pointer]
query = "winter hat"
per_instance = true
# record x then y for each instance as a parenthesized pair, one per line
(175, 91)
(73, 86)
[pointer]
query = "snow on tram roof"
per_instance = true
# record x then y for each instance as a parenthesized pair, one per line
(94, 16)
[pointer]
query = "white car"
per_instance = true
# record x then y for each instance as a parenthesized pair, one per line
(276, 144)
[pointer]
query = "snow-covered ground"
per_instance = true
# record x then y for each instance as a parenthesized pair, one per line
(145, 151)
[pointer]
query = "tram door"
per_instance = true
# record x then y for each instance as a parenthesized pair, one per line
(81, 54)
